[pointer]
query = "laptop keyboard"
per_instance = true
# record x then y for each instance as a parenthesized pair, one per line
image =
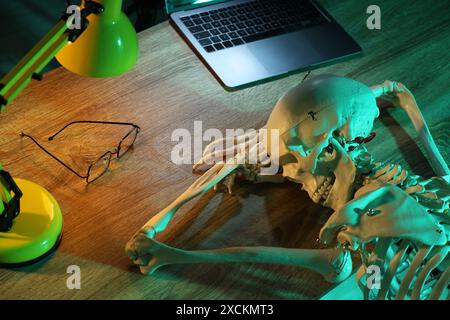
(251, 21)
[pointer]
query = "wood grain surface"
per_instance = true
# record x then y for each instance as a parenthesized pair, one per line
(169, 89)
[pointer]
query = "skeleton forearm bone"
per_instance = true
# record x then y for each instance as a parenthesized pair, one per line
(334, 264)
(406, 101)
(210, 178)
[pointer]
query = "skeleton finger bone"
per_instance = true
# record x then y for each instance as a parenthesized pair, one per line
(408, 103)
(333, 264)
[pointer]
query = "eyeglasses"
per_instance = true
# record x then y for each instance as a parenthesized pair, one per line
(99, 167)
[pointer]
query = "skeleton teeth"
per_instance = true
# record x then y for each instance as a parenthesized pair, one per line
(323, 191)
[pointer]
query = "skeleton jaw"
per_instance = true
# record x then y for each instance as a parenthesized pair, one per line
(321, 194)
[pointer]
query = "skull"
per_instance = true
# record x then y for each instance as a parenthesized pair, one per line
(319, 123)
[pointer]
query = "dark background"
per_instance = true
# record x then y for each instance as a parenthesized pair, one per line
(24, 22)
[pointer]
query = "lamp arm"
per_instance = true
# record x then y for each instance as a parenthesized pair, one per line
(31, 65)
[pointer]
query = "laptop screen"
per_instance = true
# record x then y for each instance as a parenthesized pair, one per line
(177, 5)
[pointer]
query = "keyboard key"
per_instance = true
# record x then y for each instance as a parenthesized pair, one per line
(215, 39)
(205, 42)
(215, 17)
(202, 35)
(275, 25)
(197, 21)
(195, 16)
(219, 46)
(216, 24)
(223, 29)
(233, 20)
(233, 35)
(240, 25)
(188, 23)
(232, 28)
(237, 42)
(203, 14)
(196, 29)
(249, 23)
(223, 15)
(186, 18)
(206, 19)
(225, 22)
(224, 37)
(214, 32)
(259, 29)
(250, 30)
(207, 26)
(274, 18)
(227, 44)
(242, 33)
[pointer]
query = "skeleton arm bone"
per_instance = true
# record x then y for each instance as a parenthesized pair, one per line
(333, 264)
(210, 178)
(406, 101)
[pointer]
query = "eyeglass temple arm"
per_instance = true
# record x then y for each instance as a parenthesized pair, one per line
(51, 155)
(90, 121)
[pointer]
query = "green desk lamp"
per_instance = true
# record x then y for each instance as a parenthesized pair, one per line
(103, 44)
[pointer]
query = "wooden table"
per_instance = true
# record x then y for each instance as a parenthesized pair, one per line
(170, 89)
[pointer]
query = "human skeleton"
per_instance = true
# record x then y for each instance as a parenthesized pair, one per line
(393, 219)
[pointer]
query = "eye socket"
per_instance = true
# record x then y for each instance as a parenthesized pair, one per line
(329, 148)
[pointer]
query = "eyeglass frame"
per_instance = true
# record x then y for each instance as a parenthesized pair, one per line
(115, 151)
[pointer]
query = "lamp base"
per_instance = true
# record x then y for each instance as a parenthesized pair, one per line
(36, 231)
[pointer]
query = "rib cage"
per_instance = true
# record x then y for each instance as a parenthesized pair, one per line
(410, 270)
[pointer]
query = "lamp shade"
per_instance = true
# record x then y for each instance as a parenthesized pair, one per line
(108, 47)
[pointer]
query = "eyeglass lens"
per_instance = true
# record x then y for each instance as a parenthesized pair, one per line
(127, 142)
(99, 167)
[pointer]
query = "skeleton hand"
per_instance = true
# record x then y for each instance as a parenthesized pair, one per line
(394, 232)
(249, 152)
(246, 172)
(399, 95)
(380, 211)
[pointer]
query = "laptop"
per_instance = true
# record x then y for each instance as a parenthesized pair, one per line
(244, 42)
